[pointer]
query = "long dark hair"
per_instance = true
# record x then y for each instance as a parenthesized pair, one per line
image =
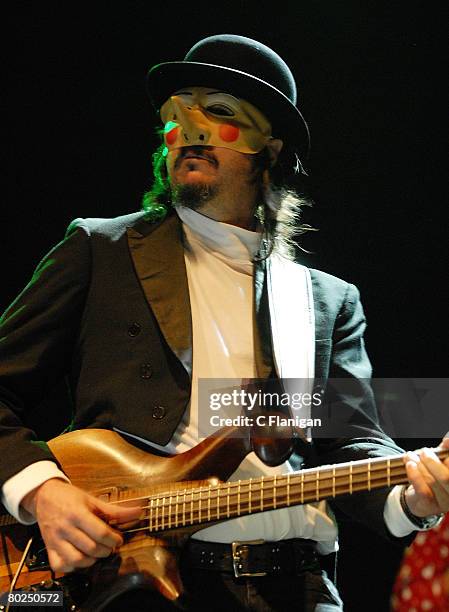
(279, 211)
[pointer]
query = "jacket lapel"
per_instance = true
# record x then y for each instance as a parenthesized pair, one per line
(158, 256)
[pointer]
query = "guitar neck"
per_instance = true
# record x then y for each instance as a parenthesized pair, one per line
(202, 505)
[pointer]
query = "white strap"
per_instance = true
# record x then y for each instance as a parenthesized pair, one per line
(292, 326)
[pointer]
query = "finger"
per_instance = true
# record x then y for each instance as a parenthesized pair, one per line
(439, 472)
(119, 513)
(417, 480)
(425, 503)
(87, 545)
(416, 457)
(56, 561)
(412, 456)
(435, 475)
(66, 558)
(120, 516)
(98, 530)
(435, 467)
(426, 473)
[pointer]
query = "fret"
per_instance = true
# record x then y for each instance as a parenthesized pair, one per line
(274, 493)
(218, 502)
(208, 504)
(389, 472)
(249, 495)
(261, 493)
(333, 481)
(191, 507)
(176, 508)
(163, 513)
(228, 512)
(302, 487)
(288, 489)
(238, 498)
(369, 476)
(317, 488)
(151, 514)
(350, 478)
(184, 509)
(199, 506)
(157, 513)
(169, 512)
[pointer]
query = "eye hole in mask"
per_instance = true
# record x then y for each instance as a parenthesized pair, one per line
(218, 103)
(201, 116)
(220, 110)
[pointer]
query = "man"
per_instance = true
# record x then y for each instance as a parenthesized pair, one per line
(119, 305)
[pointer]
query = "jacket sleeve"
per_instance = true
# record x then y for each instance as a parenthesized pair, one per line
(351, 416)
(38, 333)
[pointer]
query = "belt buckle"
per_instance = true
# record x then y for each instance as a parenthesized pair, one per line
(239, 549)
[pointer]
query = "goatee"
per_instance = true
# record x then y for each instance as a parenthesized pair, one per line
(193, 195)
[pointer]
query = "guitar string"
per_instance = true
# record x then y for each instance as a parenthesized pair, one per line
(357, 468)
(379, 464)
(309, 487)
(204, 494)
(392, 463)
(312, 478)
(194, 516)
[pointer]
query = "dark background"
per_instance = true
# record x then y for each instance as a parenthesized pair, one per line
(369, 76)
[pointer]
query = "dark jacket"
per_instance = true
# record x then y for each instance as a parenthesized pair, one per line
(109, 308)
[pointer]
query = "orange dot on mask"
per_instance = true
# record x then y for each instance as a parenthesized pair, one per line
(171, 136)
(229, 133)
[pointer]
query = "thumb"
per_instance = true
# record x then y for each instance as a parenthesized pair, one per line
(445, 441)
(118, 512)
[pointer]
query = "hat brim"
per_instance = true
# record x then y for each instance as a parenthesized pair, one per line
(286, 119)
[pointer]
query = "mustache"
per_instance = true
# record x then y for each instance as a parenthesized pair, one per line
(197, 151)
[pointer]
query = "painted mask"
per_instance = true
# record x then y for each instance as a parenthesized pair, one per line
(207, 117)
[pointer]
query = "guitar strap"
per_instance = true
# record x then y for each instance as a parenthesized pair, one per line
(292, 317)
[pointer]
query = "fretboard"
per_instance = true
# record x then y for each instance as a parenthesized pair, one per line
(204, 505)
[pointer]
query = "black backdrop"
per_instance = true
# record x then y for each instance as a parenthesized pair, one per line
(369, 76)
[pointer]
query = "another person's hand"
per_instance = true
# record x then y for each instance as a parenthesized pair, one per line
(428, 493)
(74, 525)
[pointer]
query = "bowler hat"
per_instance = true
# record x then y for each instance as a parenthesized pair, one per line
(244, 67)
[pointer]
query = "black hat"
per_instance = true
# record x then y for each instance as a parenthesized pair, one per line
(244, 67)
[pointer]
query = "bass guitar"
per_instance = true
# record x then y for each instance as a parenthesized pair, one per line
(180, 494)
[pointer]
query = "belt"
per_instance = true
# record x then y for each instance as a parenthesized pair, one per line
(254, 557)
